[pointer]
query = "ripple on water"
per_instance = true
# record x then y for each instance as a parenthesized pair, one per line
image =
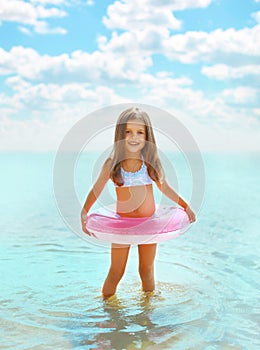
(199, 311)
(176, 316)
(157, 319)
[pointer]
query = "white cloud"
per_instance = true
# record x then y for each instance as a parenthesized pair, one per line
(24, 30)
(230, 47)
(32, 14)
(135, 14)
(33, 79)
(37, 117)
(30, 135)
(47, 128)
(79, 66)
(147, 28)
(47, 111)
(52, 92)
(256, 16)
(51, 97)
(42, 27)
(48, 2)
(138, 42)
(240, 95)
(167, 92)
(221, 110)
(17, 83)
(181, 5)
(223, 71)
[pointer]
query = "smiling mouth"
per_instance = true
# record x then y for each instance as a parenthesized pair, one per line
(133, 143)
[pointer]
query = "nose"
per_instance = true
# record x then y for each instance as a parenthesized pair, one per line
(134, 136)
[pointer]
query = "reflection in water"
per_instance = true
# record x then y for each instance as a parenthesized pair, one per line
(128, 327)
(146, 321)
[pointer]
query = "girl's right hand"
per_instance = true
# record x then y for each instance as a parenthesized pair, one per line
(84, 221)
(85, 229)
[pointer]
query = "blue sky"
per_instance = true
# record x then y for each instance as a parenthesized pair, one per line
(197, 59)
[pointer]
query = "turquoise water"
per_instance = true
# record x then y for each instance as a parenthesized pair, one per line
(207, 280)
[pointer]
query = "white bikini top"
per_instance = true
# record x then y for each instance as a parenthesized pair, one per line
(137, 178)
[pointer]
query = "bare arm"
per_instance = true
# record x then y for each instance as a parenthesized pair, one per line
(95, 191)
(170, 193)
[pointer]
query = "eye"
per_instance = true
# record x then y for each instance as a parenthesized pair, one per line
(141, 132)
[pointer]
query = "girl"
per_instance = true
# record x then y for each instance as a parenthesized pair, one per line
(133, 166)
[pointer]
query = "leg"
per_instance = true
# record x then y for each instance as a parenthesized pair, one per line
(146, 265)
(117, 268)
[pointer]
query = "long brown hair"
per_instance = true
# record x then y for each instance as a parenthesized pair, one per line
(149, 152)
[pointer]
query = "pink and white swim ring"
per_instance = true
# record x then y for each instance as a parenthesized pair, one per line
(167, 223)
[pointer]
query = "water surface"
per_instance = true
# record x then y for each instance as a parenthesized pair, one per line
(207, 280)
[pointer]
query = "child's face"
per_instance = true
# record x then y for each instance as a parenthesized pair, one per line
(135, 136)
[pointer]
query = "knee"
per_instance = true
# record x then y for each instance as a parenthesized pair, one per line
(146, 272)
(116, 274)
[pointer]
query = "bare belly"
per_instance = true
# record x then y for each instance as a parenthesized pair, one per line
(135, 201)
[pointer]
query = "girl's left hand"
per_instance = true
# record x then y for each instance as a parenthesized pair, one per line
(191, 214)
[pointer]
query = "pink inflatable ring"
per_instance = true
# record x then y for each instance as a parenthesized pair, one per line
(167, 223)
